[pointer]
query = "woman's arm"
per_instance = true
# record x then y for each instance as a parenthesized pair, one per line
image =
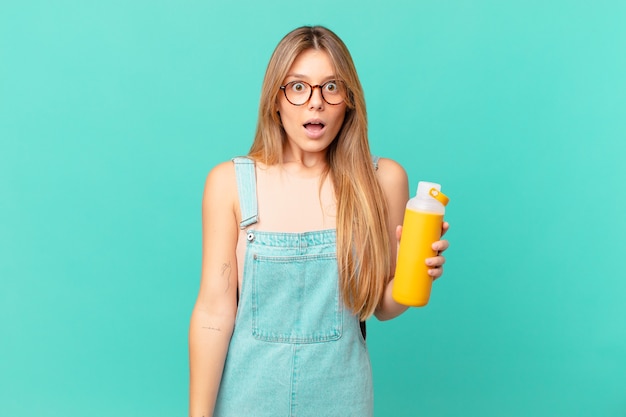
(213, 316)
(394, 182)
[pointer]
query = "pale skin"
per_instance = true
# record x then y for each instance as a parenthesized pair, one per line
(213, 316)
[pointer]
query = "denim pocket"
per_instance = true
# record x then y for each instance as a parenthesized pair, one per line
(295, 299)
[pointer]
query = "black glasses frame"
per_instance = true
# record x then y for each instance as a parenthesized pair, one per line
(313, 87)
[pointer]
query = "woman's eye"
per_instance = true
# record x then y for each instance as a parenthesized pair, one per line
(331, 87)
(298, 87)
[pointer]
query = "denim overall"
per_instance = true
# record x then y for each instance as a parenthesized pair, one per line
(296, 350)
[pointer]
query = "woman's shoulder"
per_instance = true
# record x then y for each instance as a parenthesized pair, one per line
(222, 173)
(395, 184)
(391, 173)
(221, 184)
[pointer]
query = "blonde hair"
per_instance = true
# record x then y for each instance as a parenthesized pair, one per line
(363, 251)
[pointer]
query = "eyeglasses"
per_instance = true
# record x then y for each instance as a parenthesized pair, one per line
(300, 92)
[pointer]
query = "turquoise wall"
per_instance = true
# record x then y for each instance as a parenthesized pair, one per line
(112, 113)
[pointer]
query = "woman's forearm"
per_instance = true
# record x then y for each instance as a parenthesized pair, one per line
(388, 307)
(209, 337)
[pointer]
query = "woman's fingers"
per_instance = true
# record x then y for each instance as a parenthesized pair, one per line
(444, 228)
(440, 245)
(436, 266)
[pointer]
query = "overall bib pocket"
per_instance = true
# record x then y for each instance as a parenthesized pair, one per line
(295, 299)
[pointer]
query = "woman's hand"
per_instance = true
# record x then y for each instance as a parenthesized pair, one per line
(436, 262)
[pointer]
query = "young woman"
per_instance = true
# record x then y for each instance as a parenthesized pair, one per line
(299, 248)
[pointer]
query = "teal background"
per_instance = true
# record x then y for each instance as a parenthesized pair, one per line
(112, 113)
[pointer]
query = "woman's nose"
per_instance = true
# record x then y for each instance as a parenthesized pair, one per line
(316, 100)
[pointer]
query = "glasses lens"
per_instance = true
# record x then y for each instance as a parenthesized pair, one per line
(333, 92)
(298, 92)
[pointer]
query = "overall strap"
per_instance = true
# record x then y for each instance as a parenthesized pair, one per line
(375, 162)
(246, 187)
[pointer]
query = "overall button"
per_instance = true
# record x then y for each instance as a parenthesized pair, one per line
(250, 236)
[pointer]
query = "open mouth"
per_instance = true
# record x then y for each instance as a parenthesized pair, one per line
(314, 126)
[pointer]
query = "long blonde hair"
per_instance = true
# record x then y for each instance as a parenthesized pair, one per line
(363, 251)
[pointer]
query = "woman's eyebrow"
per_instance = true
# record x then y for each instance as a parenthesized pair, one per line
(305, 77)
